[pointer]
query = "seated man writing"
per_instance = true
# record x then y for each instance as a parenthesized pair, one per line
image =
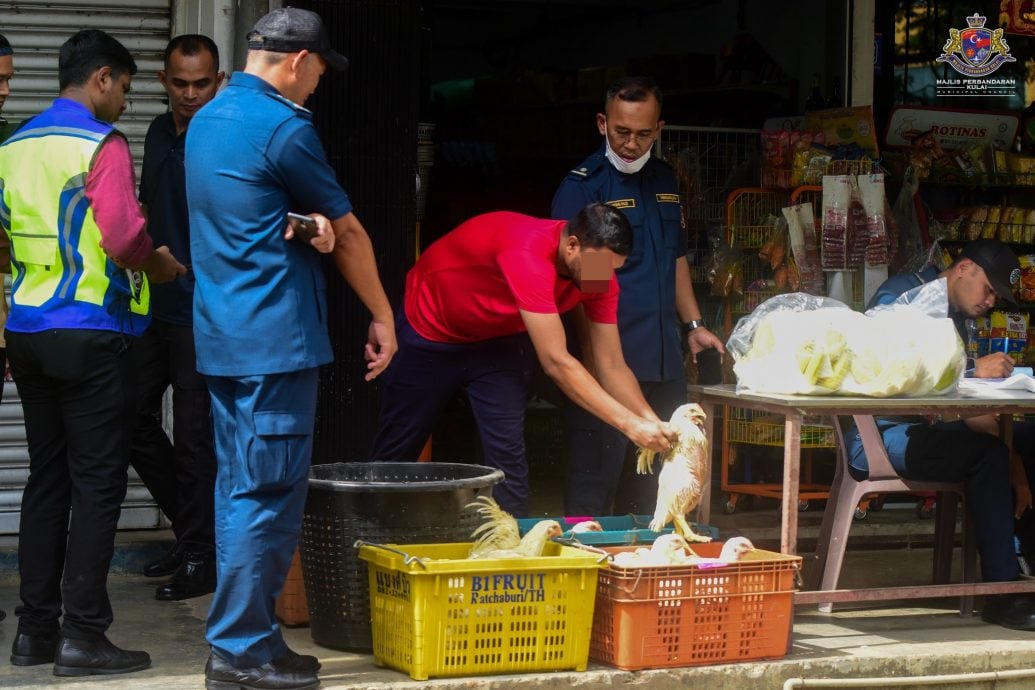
(969, 450)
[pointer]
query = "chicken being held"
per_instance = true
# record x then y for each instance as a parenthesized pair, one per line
(499, 536)
(683, 474)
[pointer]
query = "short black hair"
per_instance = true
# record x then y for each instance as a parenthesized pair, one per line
(600, 226)
(86, 52)
(5, 46)
(633, 89)
(191, 44)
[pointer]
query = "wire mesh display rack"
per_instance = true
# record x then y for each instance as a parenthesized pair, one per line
(749, 220)
(709, 163)
(749, 216)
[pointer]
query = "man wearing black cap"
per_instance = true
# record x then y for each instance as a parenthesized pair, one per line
(968, 450)
(260, 327)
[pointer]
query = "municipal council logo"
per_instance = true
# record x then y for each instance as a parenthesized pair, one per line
(976, 51)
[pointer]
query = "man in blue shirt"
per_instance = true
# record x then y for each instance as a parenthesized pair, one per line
(657, 309)
(260, 326)
(181, 476)
(969, 450)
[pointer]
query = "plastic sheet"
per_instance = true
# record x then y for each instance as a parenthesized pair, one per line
(804, 344)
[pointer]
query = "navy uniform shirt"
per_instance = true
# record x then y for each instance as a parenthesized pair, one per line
(647, 319)
(163, 190)
(897, 285)
(260, 301)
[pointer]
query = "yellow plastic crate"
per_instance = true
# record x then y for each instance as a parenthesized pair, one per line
(434, 613)
(746, 426)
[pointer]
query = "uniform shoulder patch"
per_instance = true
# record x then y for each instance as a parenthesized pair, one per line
(586, 168)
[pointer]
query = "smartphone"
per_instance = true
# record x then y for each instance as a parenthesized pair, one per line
(304, 226)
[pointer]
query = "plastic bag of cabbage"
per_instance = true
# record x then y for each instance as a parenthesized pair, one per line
(803, 344)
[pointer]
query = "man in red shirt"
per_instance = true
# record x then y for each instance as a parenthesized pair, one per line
(479, 302)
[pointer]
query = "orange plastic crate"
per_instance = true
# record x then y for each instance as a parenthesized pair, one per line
(655, 617)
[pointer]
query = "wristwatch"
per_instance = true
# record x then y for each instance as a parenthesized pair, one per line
(693, 324)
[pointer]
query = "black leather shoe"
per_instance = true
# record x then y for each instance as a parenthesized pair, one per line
(33, 650)
(306, 663)
(195, 577)
(1013, 611)
(220, 675)
(167, 564)
(96, 656)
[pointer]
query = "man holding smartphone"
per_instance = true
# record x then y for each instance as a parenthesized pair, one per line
(260, 326)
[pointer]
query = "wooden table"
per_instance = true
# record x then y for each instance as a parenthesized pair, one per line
(794, 407)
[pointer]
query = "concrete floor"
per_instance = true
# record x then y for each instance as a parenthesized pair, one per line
(887, 548)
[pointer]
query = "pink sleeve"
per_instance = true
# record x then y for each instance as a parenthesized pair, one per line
(111, 191)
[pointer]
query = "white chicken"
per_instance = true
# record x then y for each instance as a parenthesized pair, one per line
(668, 549)
(586, 526)
(499, 536)
(735, 549)
(683, 474)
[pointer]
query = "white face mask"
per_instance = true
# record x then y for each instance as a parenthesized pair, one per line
(622, 165)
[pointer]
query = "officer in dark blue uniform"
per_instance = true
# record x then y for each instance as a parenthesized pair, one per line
(657, 309)
(969, 451)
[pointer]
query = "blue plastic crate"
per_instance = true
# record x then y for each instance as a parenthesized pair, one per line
(618, 529)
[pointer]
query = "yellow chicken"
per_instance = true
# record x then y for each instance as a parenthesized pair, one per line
(499, 537)
(683, 474)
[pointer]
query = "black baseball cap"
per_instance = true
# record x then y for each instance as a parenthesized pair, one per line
(289, 30)
(1000, 264)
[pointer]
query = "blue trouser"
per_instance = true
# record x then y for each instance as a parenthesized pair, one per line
(423, 377)
(264, 439)
(953, 453)
(601, 477)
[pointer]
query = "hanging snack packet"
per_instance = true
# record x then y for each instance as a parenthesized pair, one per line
(801, 230)
(871, 191)
(837, 198)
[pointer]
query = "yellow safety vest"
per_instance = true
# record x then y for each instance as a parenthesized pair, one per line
(61, 278)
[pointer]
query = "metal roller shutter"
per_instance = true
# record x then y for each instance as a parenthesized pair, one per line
(36, 29)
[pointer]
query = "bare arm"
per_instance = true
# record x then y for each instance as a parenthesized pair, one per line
(612, 372)
(354, 257)
(686, 306)
(547, 336)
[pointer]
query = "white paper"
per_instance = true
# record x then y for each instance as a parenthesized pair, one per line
(1022, 381)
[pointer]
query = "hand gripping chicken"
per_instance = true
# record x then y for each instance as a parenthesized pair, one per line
(683, 474)
(499, 536)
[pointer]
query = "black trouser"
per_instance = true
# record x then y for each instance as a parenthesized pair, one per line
(180, 475)
(601, 476)
(78, 392)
